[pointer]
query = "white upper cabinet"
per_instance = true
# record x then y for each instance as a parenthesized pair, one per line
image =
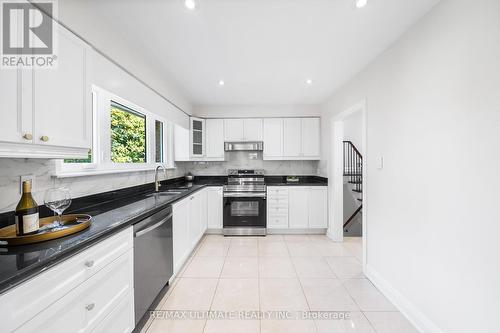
(243, 129)
(252, 130)
(292, 137)
(62, 97)
(301, 138)
(16, 125)
(46, 113)
(197, 139)
(214, 138)
(310, 137)
(273, 138)
(181, 143)
(233, 129)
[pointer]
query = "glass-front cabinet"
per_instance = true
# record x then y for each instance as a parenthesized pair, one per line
(197, 141)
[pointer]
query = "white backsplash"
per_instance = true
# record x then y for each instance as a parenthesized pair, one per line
(12, 169)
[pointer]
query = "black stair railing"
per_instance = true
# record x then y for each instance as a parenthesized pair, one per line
(353, 169)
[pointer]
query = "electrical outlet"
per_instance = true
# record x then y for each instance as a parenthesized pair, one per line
(25, 178)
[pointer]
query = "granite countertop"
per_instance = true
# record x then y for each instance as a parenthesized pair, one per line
(111, 212)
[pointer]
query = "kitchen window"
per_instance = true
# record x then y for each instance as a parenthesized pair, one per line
(128, 135)
(126, 138)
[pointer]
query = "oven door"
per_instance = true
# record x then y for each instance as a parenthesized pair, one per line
(244, 210)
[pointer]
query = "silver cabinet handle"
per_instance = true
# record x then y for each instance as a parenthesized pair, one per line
(89, 263)
(44, 138)
(90, 306)
(27, 136)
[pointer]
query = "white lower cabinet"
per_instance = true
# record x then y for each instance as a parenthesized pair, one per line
(214, 207)
(189, 225)
(77, 295)
(297, 207)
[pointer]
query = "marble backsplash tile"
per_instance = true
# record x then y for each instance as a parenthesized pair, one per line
(242, 160)
(12, 169)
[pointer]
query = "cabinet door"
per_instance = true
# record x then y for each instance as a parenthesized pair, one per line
(298, 210)
(203, 224)
(215, 138)
(292, 137)
(233, 129)
(273, 138)
(214, 209)
(318, 207)
(62, 97)
(181, 233)
(181, 143)
(120, 320)
(194, 219)
(16, 123)
(311, 137)
(252, 129)
(197, 137)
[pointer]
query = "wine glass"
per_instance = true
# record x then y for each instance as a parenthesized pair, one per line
(58, 200)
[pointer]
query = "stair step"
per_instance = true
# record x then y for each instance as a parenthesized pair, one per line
(348, 174)
(360, 200)
(355, 182)
(357, 191)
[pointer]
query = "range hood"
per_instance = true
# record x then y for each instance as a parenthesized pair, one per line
(244, 146)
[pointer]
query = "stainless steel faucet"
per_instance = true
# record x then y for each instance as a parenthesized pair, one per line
(157, 182)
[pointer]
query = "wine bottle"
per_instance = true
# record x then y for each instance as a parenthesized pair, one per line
(27, 218)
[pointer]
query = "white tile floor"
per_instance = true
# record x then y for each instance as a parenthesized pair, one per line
(295, 273)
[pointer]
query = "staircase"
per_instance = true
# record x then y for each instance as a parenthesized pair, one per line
(353, 173)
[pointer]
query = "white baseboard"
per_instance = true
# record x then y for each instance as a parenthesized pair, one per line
(414, 316)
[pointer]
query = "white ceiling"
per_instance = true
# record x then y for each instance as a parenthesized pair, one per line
(264, 50)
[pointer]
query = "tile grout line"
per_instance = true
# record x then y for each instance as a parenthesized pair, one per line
(216, 288)
(302, 288)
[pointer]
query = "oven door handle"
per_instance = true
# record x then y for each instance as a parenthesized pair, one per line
(244, 195)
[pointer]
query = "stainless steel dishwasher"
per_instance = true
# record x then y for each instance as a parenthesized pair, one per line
(153, 260)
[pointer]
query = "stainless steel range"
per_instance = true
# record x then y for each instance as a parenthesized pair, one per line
(245, 203)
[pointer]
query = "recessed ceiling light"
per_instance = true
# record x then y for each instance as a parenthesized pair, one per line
(190, 4)
(221, 83)
(361, 3)
(309, 81)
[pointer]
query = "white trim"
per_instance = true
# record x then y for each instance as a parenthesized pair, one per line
(418, 319)
(336, 230)
(21, 150)
(101, 154)
(105, 172)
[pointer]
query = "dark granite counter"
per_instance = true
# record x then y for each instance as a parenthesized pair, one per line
(302, 181)
(112, 212)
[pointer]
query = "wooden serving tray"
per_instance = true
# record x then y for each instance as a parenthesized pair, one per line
(70, 224)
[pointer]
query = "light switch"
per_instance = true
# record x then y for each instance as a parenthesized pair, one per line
(380, 162)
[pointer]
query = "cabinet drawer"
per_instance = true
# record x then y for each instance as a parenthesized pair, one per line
(272, 191)
(281, 211)
(277, 222)
(86, 306)
(25, 301)
(277, 203)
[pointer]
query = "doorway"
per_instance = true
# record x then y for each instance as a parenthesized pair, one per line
(347, 170)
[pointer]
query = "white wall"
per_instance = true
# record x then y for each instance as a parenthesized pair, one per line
(433, 113)
(75, 14)
(353, 130)
(258, 111)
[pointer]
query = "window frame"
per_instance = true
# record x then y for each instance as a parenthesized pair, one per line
(101, 140)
